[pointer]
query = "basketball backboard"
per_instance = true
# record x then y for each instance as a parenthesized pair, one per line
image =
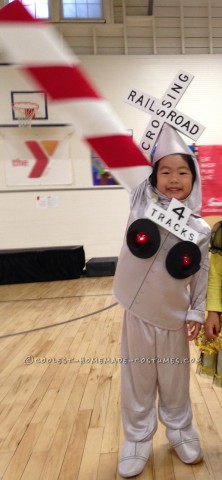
(16, 87)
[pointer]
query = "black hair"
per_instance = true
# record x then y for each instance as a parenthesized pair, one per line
(216, 238)
(187, 158)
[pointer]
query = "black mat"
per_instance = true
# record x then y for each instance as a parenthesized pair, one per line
(41, 265)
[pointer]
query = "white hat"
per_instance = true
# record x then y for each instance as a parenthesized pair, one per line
(168, 143)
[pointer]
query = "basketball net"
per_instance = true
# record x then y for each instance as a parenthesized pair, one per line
(25, 112)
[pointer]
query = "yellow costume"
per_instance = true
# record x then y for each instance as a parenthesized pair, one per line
(211, 352)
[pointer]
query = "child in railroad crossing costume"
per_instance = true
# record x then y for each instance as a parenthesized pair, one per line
(161, 281)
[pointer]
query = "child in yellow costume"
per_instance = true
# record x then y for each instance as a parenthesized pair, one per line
(210, 340)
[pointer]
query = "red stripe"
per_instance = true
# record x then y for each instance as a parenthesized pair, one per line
(68, 82)
(16, 12)
(63, 82)
(118, 151)
(41, 159)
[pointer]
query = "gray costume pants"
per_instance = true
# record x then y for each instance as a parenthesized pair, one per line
(157, 362)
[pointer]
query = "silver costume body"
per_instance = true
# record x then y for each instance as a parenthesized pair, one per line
(154, 336)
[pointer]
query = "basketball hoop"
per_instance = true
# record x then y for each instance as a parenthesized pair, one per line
(25, 112)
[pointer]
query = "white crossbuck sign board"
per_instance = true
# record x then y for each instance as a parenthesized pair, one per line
(164, 111)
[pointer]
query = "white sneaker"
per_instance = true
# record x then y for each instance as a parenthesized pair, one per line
(133, 458)
(186, 444)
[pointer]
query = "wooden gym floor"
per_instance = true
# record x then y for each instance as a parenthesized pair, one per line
(60, 383)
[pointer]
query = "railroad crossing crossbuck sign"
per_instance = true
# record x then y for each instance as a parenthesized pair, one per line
(164, 110)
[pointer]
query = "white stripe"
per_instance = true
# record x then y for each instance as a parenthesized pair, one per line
(31, 44)
(91, 118)
(131, 177)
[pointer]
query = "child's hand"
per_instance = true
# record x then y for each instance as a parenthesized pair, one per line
(193, 329)
(212, 325)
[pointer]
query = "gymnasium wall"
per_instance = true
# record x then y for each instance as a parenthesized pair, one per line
(95, 217)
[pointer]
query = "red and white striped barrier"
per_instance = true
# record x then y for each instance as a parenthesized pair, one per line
(39, 52)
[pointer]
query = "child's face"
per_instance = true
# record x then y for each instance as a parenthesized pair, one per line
(174, 178)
